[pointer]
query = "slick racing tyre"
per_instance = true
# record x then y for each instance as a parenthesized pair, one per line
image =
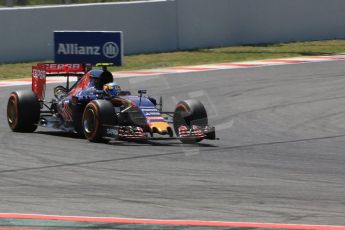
(23, 111)
(188, 113)
(96, 114)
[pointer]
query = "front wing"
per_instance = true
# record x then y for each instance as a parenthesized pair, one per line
(136, 133)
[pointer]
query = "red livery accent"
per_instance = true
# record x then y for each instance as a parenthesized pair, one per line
(66, 111)
(83, 84)
(38, 82)
(43, 70)
(59, 69)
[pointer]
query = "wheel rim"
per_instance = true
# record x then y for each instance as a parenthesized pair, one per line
(12, 112)
(89, 121)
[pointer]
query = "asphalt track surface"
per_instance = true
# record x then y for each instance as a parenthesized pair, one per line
(280, 157)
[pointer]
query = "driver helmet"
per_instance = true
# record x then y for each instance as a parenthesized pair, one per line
(112, 88)
(99, 78)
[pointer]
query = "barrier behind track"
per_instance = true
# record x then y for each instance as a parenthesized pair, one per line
(26, 33)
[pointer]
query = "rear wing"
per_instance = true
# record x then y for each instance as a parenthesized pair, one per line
(53, 69)
(43, 70)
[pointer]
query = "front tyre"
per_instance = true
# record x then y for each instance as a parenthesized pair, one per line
(23, 111)
(96, 114)
(188, 113)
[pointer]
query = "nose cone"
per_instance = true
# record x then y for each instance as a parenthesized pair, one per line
(160, 127)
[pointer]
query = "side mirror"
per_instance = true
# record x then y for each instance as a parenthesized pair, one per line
(142, 91)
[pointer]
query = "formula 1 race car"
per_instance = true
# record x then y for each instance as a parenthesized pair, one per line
(98, 109)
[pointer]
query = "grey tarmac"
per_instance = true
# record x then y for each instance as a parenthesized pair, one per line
(280, 157)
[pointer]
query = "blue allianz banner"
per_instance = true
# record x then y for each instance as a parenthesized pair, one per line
(88, 47)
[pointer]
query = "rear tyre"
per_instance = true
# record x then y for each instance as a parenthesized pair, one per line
(96, 114)
(23, 111)
(188, 113)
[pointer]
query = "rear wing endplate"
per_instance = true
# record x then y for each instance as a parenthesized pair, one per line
(43, 70)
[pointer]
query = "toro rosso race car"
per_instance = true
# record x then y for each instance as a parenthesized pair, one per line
(98, 109)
